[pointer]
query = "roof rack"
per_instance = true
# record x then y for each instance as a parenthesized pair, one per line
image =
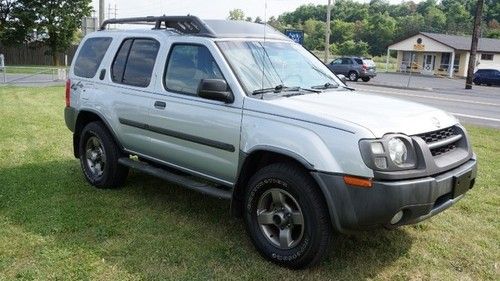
(183, 24)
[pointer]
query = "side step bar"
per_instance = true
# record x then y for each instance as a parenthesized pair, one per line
(204, 188)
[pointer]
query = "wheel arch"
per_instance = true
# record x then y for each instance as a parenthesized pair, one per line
(260, 157)
(85, 117)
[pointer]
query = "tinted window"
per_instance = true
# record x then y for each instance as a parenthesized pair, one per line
(90, 56)
(187, 66)
(118, 66)
(337, 61)
(359, 61)
(346, 61)
(134, 62)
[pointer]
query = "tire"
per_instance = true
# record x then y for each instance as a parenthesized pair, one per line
(99, 156)
(308, 225)
(353, 76)
(365, 79)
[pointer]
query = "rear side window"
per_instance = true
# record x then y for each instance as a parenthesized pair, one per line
(133, 64)
(90, 56)
(359, 61)
(187, 66)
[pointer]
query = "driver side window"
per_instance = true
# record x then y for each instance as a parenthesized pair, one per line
(187, 66)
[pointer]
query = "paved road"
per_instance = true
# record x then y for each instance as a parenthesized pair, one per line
(478, 107)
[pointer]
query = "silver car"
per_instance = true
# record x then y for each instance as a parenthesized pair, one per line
(238, 111)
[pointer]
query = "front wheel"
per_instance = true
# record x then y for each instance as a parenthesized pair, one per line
(99, 156)
(286, 216)
(365, 79)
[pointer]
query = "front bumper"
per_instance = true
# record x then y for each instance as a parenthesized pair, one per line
(352, 208)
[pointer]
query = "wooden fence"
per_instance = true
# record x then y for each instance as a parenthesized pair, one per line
(32, 55)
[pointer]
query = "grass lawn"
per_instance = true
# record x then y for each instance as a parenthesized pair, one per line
(54, 226)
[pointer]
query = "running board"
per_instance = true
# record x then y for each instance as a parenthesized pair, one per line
(204, 188)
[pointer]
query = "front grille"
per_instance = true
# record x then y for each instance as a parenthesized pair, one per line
(438, 135)
(433, 140)
(443, 149)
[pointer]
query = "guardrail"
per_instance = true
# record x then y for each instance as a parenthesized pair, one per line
(27, 74)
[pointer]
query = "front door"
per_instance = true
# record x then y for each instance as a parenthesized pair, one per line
(195, 134)
(428, 65)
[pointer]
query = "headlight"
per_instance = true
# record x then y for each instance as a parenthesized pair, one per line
(397, 151)
(393, 152)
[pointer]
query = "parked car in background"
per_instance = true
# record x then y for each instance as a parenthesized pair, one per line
(354, 68)
(487, 76)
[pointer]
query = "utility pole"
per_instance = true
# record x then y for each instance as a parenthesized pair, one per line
(327, 32)
(473, 45)
(101, 12)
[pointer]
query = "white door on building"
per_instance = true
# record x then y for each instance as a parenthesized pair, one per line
(429, 64)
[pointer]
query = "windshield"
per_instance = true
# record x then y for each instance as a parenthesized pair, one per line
(262, 65)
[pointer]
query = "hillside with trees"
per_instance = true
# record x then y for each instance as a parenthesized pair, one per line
(368, 28)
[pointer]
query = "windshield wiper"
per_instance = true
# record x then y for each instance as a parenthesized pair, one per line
(329, 85)
(281, 88)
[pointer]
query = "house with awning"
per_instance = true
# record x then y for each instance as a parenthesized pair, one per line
(443, 54)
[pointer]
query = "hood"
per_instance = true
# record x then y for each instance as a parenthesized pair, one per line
(351, 109)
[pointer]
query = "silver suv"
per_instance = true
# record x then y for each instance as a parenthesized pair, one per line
(238, 111)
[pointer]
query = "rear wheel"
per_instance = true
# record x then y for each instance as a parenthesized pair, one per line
(99, 156)
(365, 79)
(286, 216)
(353, 76)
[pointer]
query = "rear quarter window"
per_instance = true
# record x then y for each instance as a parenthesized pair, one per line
(90, 56)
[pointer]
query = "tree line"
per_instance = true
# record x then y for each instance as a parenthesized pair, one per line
(52, 22)
(368, 28)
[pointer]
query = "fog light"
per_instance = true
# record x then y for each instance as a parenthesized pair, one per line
(397, 217)
(381, 162)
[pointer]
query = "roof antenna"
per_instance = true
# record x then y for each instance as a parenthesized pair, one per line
(263, 46)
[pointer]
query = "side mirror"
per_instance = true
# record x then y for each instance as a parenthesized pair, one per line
(215, 89)
(342, 78)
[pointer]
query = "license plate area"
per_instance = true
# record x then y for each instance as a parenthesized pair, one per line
(461, 183)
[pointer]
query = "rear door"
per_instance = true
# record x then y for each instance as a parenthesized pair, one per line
(130, 90)
(347, 65)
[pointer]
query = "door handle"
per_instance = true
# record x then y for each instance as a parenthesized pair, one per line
(160, 104)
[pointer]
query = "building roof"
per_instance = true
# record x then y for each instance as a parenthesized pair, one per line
(463, 42)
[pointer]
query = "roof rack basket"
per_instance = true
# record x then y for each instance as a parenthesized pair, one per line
(183, 24)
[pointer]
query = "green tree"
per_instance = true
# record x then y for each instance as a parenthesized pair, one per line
(236, 14)
(409, 25)
(435, 19)
(314, 34)
(379, 32)
(352, 48)
(342, 31)
(56, 21)
(458, 19)
(258, 20)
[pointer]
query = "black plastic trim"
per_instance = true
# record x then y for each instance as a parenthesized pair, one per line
(179, 135)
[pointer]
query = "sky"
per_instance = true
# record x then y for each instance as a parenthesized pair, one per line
(206, 9)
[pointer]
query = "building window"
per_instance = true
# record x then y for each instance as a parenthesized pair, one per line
(445, 60)
(486, 56)
(456, 63)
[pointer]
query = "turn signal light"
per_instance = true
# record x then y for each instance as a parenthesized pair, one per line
(358, 182)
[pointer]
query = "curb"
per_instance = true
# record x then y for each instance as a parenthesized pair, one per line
(401, 87)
